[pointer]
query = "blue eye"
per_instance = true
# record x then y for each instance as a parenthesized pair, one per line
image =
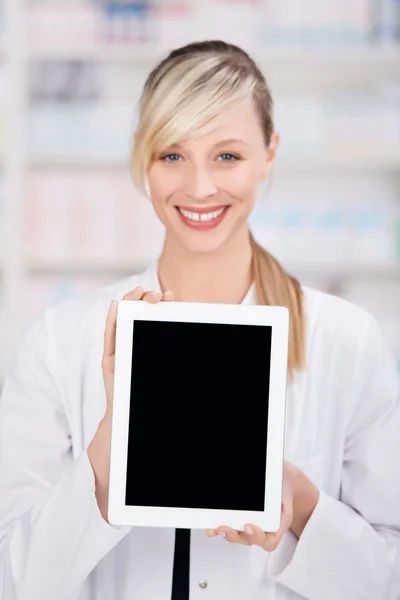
(228, 157)
(171, 157)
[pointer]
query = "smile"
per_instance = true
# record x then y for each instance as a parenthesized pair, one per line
(203, 216)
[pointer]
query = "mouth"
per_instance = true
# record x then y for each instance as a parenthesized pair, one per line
(202, 218)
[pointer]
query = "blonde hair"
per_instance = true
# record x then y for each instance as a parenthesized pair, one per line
(189, 94)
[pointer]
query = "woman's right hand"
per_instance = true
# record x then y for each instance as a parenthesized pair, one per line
(100, 448)
(108, 361)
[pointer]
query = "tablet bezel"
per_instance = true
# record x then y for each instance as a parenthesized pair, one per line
(275, 316)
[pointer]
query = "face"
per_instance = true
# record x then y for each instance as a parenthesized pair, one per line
(203, 189)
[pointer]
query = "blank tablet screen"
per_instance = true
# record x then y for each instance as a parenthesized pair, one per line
(198, 415)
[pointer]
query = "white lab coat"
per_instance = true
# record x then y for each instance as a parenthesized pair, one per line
(342, 429)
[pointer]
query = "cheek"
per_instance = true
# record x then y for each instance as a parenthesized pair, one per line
(242, 183)
(161, 186)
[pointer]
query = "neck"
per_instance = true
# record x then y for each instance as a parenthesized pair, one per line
(224, 276)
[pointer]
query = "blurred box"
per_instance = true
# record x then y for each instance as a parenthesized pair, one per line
(58, 26)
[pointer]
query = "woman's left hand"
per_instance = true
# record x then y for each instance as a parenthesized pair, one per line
(299, 498)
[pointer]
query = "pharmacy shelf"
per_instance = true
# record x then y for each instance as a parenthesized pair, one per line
(122, 267)
(345, 271)
(299, 68)
(138, 54)
(76, 163)
(377, 164)
(349, 57)
(85, 267)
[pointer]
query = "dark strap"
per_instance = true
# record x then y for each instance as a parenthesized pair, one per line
(180, 576)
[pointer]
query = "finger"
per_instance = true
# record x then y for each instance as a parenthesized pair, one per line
(135, 294)
(255, 535)
(234, 536)
(212, 533)
(152, 297)
(168, 296)
(110, 329)
(270, 540)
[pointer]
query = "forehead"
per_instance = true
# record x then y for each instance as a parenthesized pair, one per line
(242, 123)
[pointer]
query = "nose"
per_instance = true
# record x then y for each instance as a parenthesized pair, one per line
(199, 183)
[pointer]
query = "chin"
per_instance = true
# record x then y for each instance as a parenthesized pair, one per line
(204, 246)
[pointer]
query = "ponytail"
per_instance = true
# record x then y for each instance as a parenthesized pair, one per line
(275, 287)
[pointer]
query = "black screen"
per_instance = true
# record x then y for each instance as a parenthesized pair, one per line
(198, 415)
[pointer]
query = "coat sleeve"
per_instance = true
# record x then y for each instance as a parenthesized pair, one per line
(350, 547)
(51, 531)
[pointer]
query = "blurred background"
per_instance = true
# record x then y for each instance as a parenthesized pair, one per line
(71, 73)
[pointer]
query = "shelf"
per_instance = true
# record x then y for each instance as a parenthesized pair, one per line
(140, 53)
(345, 271)
(318, 164)
(351, 56)
(344, 58)
(77, 163)
(330, 164)
(86, 267)
(122, 267)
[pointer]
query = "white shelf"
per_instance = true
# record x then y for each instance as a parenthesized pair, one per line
(77, 163)
(298, 68)
(377, 164)
(141, 53)
(84, 267)
(371, 55)
(333, 163)
(345, 271)
(121, 267)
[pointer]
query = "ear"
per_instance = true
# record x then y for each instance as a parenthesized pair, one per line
(271, 153)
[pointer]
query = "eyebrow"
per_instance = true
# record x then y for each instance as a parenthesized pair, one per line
(221, 143)
(230, 141)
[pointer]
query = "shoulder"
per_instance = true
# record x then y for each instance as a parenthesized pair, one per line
(101, 297)
(344, 341)
(337, 333)
(334, 316)
(69, 322)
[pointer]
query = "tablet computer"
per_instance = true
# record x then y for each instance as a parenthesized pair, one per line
(198, 415)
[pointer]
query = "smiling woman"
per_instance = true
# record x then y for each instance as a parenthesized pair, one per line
(204, 142)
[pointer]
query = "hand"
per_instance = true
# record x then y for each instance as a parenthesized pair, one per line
(99, 450)
(299, 498)
(108, 360)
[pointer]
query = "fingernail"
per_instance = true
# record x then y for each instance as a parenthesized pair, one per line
(222, 533)
(248, 530)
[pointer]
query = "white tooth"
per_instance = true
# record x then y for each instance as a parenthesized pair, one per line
(203, 216)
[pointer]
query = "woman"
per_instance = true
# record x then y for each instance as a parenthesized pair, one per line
(204, 142)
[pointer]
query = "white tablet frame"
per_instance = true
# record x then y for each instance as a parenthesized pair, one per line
(275, 316)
